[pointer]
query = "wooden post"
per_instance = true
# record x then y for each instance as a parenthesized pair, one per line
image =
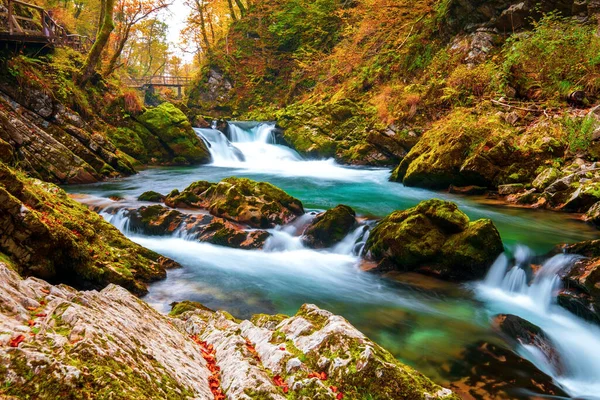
(45, 29)
(10, 17)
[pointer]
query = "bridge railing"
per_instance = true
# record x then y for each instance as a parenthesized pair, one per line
(25, 20)
(160, 80)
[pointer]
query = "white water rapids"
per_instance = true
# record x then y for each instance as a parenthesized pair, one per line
(506, 290)
(287, 269)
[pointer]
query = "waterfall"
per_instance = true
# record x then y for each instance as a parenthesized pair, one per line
(507, 290)
(221, 149)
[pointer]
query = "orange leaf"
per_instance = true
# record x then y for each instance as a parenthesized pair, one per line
(40, 315)
(16, 341)
(323, 376)
(31, 322)
(45, 291)
(333, 388)
(32, 308)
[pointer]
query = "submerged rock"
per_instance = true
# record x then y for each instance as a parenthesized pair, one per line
(49, 235)
(435, 238)
(526, 333)
(257, 204)
(487, 367)
(330, 227)
(162, 221)
(111, 344)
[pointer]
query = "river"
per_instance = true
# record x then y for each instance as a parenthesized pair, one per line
(431, 325)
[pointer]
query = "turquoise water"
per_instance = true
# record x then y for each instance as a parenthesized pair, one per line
(434, 326)
(368, 191)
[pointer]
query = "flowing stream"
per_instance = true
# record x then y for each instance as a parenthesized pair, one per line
(428, 324)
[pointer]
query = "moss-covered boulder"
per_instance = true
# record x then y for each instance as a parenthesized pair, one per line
(152, 197)
(50, 236)
(174, 132)
(435, 238)
(478, 147)
(257, 204)
(330, 227)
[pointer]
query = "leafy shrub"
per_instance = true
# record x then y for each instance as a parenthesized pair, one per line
(559, 56)
(467, 82)
(579, 132)
(132, 102)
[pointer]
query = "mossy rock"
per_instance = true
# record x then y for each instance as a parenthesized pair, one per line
(435, 238)
(330, 227)
(51, 236)
(172, 128)
(151, 196)
(257, 204)
(178, 308)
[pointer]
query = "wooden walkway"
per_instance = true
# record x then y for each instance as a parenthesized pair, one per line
(24, 23)
(159, 80)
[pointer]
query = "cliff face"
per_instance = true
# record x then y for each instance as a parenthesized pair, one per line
(55, 131)
(56, 341)
(455, 92)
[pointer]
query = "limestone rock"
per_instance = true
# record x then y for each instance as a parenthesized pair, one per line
(111, 344)
(435, 238)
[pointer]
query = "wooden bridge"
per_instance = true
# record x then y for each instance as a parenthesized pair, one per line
(24, 23)
(171, 81)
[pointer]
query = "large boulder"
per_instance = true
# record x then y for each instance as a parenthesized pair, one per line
(257, 204)
(330, 227)
(435, 238)
(58, 342)
(48, 235)
(173, 129)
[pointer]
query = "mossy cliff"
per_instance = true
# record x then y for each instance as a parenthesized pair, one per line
(434, 238)
(48, 235)
(94, 344)
(52, 129)
(492, 92)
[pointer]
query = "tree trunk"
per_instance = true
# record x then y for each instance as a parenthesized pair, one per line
(89, 68)
(112, 64)
(231, 10)
(241, 7)
(203, 26)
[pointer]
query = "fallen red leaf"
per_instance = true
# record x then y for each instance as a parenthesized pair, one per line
(339, 396)
(45, 291)
(282, 348)
(323, 376)
(16, 341)
(31, 322)
(333, 389)
(32, 308)
(41, 315)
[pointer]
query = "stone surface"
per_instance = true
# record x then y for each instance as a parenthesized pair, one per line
(174, 130)
(111, 344)
(524, 332)
(257, 204)
(54, 149)
(330, 227)
(49, 235)
(435, 238)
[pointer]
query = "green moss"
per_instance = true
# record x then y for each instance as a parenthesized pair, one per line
(67, 242)
(173, 130)
(331, 227)
(435, 237)
(184, 306)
